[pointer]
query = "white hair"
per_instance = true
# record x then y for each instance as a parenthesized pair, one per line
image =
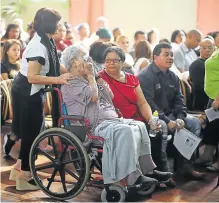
(71, 53)
(102, 18)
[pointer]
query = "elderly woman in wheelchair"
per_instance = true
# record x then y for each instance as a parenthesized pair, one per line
(126, 161)
(122, 137)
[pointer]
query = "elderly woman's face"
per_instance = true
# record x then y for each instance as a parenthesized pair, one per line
(83, 63)
(113, 62)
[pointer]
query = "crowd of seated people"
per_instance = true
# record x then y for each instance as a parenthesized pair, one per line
(138, 81)
(96, 105)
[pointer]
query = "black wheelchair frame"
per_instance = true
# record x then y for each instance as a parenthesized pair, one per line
(76, 157)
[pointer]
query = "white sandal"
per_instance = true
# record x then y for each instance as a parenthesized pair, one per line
(22, 184)
(14, 174)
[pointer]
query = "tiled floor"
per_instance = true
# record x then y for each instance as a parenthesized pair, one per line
(186, 191)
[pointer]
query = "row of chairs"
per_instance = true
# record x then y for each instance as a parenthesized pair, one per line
(6, 105)
(7, 114)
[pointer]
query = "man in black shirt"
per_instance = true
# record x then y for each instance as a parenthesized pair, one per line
(197, 75)
(161, 88)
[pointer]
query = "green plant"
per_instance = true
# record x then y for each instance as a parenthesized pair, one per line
(15, 8)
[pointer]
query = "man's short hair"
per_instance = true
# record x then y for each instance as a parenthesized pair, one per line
(139, 32)
(158, 48)
(45, 20)
(194, 32)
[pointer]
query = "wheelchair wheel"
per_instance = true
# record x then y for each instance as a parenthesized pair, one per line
(115, 194)
(146, 190)
(57, 176)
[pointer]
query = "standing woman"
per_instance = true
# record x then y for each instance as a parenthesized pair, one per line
(40, 66)
(211, 131)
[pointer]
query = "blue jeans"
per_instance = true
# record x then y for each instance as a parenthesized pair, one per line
(192, 124)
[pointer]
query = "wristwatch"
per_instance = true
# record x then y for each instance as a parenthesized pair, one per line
(97, 77)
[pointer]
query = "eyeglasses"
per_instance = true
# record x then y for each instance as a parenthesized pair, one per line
(112, 60)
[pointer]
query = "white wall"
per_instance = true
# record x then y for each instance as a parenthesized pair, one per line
(165, 15)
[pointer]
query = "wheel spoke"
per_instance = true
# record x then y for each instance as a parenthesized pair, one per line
(46, 154)
(62, 175)
(51, 180)
(71, 161)
(71, 173)
(45, 167)
(54, 147)
(63, 153)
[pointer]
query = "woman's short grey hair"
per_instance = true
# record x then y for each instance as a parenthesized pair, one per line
(71, 53)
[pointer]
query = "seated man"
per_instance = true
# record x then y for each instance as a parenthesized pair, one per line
(161, 88)
(197, 75)
(184, 55)
(126, 149)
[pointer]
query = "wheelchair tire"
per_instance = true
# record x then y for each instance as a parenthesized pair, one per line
(69, 139)
(146, 191)
(117, 194)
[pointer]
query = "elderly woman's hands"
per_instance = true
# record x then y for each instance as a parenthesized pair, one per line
(90, 76)
(88, 69)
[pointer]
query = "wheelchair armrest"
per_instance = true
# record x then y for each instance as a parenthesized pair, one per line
(73, 117)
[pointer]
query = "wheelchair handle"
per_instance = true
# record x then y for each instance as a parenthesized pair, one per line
(50, 89)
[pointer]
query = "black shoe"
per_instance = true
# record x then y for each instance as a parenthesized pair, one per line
(8, 144)
(160, 176)
(8, 157)
(145, 180)
(170, 183)
(192, 174)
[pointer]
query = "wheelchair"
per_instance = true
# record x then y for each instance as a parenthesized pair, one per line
(75, 161)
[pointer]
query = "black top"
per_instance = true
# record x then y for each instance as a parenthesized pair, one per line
(6, 67)
(41, 49)
(163, 92)
(197, 75)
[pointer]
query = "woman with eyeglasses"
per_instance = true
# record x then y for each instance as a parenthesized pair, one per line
(129, 99)
(126, 149)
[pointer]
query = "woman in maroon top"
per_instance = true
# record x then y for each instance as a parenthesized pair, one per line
(129, 99)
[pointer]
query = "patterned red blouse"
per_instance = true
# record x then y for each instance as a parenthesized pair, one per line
(125, 97)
